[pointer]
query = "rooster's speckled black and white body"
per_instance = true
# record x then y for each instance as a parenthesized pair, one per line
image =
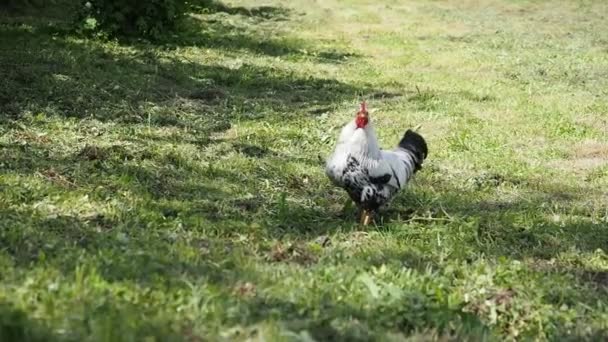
(372, 176)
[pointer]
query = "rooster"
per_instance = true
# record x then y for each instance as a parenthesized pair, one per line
(372, 176)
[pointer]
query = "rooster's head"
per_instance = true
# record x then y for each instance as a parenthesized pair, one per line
(362, 117)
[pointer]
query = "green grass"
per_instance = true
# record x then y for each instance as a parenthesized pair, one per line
(175, 192)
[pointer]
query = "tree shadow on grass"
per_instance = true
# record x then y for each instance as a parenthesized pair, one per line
(79, 79)
(128, 212)
(234, 37)
(256, 30)
(15, 325)
(329, 321)
(519, 228)
(263, 12)
(125, 247)
(118, 249)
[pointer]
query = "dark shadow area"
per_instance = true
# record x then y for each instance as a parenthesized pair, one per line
(140, 245)
(517, 228)
(165, 184)
(220, 32)
(324, 320)
(210, 24)
(264, 12)
(120, 250)
(45, 11)
(80, 79)
(594, 279)
(430, 99)
(15, 325)
(215, 31)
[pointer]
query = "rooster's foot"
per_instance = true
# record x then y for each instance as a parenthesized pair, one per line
(366, 217)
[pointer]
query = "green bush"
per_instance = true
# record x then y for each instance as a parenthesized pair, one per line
(144, 18)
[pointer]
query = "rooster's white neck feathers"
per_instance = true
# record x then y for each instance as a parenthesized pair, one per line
(359, 141)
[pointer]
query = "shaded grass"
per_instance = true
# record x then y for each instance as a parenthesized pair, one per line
(175, 191)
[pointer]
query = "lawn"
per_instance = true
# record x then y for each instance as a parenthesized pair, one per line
(175, 191)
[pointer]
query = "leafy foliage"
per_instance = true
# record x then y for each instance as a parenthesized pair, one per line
(147, 18)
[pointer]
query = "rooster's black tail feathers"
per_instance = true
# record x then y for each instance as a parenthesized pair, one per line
(415, 143)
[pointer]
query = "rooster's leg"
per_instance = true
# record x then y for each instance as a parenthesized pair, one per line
(366, 217)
